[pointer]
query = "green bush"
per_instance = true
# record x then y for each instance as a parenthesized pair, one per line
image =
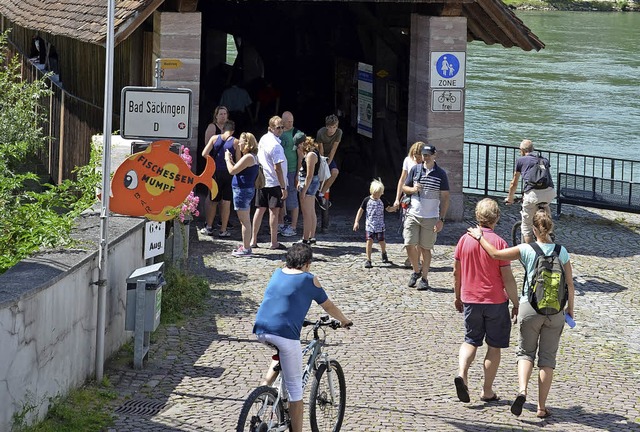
(183, 292)
(33, 214)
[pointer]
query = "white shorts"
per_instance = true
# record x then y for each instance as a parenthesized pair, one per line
(290, 361)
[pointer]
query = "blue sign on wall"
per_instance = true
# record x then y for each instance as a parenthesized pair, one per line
(448, 65)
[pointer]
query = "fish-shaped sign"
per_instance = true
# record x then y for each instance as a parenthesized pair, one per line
(153, 182)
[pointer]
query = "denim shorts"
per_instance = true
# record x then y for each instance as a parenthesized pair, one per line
(242, 198)
(314, 187)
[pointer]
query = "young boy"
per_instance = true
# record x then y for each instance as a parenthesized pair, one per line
(374, 206)
(328, 139)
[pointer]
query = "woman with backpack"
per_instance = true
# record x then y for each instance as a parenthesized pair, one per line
(541, 321)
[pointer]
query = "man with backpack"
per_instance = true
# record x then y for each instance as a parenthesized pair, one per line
(538, 186)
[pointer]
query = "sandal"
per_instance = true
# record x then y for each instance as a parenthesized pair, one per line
(516, 406)
(543, 413)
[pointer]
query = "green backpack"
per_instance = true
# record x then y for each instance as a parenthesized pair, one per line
(547, 292)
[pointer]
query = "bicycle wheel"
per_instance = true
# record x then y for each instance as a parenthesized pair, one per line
(259, 412)
(326, 412)
(516, 233)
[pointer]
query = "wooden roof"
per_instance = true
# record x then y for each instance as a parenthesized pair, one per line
(84, 20)
(490, 21)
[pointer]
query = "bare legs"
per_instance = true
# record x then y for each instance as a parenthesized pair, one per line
(245, 220)
(545, 377)
(327, 184)
(491, 363)
(414, 253)
(211, 208)
(310, 221)
(273, 225)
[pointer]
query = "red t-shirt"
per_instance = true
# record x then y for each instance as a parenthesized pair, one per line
(481, 279)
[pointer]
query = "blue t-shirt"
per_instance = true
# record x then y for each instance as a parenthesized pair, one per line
(528, 257)
(286, 301)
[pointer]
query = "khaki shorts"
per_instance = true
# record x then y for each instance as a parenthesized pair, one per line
(539, 333)
(419, 231)
(530, 202)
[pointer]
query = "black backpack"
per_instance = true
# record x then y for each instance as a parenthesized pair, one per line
(547, 291)
(539, 177)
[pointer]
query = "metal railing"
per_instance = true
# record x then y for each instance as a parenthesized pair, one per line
(488, 168)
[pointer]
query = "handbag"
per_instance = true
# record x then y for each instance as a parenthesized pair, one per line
(260, 179)
(323, 170)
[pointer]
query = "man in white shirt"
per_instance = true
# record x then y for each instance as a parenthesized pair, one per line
(428, 186)
(272, 159)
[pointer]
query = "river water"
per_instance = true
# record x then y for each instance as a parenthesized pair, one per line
(580, 94)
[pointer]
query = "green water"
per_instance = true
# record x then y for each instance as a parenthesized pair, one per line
(580, 94)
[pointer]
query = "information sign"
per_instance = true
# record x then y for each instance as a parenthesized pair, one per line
(152, 113)
(446, 100)
(365, 99)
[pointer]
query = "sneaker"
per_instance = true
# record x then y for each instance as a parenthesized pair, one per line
(287, 219)
(385, 258)
(414, 278)
(322, 202)
(312, 240)
(367, 264)
(281, 228)
(241, 252)
(423, 285)
(288, 231)
(229, 225)
(224, 234)
(303, 241)
(206, 231)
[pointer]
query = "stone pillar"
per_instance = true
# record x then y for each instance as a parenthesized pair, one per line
(429, 120)
(177, 35)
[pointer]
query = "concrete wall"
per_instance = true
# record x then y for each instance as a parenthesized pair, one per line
(48, 317)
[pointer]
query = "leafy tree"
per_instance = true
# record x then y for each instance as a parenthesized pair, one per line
(33, 215)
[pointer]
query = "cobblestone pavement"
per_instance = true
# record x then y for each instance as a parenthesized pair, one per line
(400, 357)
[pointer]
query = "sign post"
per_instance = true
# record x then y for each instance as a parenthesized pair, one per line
(447, 81)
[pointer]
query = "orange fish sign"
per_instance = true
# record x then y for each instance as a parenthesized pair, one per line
(155, 181)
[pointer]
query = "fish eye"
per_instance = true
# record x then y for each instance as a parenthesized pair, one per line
(131, 180)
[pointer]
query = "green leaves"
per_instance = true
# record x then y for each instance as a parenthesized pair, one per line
(34, 214)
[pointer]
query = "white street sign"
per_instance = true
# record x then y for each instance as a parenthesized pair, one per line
(153, 239)
(446, 100)
(447, 69)
(152, 113)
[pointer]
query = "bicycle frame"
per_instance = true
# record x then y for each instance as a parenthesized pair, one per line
(316, 357)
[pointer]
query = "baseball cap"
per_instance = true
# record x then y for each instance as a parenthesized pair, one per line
(428, 149)
(298, 138)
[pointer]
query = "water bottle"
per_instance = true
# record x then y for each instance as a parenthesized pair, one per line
(570, 322)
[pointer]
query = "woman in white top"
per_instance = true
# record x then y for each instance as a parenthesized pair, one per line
(413, 158)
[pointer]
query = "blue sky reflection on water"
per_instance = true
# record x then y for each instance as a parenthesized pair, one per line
(579, 94)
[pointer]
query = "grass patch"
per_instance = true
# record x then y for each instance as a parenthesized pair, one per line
(184, 293)
(82, 410)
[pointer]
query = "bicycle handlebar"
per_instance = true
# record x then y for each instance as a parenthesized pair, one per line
(325, 321)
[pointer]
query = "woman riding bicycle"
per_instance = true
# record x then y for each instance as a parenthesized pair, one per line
(286, 301)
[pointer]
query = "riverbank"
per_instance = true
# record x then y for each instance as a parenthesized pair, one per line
(576, 5)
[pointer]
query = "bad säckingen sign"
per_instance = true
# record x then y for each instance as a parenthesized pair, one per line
(152, 113)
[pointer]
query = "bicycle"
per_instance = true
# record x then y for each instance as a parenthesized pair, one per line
(266, 408)
(516, 229)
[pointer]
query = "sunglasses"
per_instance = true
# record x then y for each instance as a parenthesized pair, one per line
(279, 127)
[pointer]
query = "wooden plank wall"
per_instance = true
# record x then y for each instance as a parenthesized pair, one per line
(75, 107)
